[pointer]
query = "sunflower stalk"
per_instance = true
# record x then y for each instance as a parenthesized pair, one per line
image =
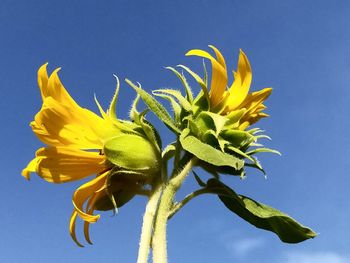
(159, 242)
(147, 224)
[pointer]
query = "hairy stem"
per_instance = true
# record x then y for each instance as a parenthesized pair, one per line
(159, 242)
(147, 225)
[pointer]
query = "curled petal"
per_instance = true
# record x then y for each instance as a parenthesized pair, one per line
(86, 191)
(219, 74)
(90, 208)
(72, 222)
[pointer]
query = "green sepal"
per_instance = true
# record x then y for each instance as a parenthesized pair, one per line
(176, 107)
(151, 132)
(184, 83)
(200, 82)
(265, 150)
(239, 152)
(233, 118)
(134, 113)
(236, 138)
(177, 94)
(261, 215)
(168, 152)
(204, 122)
(156, 107)
(205, 77)
(112, 106)
(209, 137)
(208, 153)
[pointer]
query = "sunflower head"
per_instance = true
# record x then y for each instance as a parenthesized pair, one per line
(216, 123)
(123, 155)
(224, 99)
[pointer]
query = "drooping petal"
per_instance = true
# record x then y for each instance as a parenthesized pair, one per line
(219, 74)
(72, 222)
(86, 191)
(241, 84)
(90, 208)
(62, 164)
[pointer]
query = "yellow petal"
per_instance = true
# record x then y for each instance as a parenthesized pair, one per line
(241, 84)
(62, 164)
(42, 80)
(219, 74)
(56, 90)
(72, 222)
(219, 56)
(90, 208)
(31, 168)
(86, 191)
(254, 100)
(61, 125)
(254, 105)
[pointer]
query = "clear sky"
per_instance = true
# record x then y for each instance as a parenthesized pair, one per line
(301, 48)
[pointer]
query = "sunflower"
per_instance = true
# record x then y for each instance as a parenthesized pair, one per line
(77, 141)
(229, 99)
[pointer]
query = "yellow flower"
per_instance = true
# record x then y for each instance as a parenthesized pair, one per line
(76, 138)
(237, 96)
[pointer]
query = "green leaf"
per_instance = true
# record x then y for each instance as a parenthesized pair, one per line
(261, 215)
(184, 83)
(208, 153)
(156, 107)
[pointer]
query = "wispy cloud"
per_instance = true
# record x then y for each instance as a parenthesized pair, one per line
(315, 257)
(242, 247)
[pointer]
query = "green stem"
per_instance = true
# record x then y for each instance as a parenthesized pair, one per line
(159, 242)
(147, 225)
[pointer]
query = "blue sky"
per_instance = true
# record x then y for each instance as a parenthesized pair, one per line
(300, 48)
